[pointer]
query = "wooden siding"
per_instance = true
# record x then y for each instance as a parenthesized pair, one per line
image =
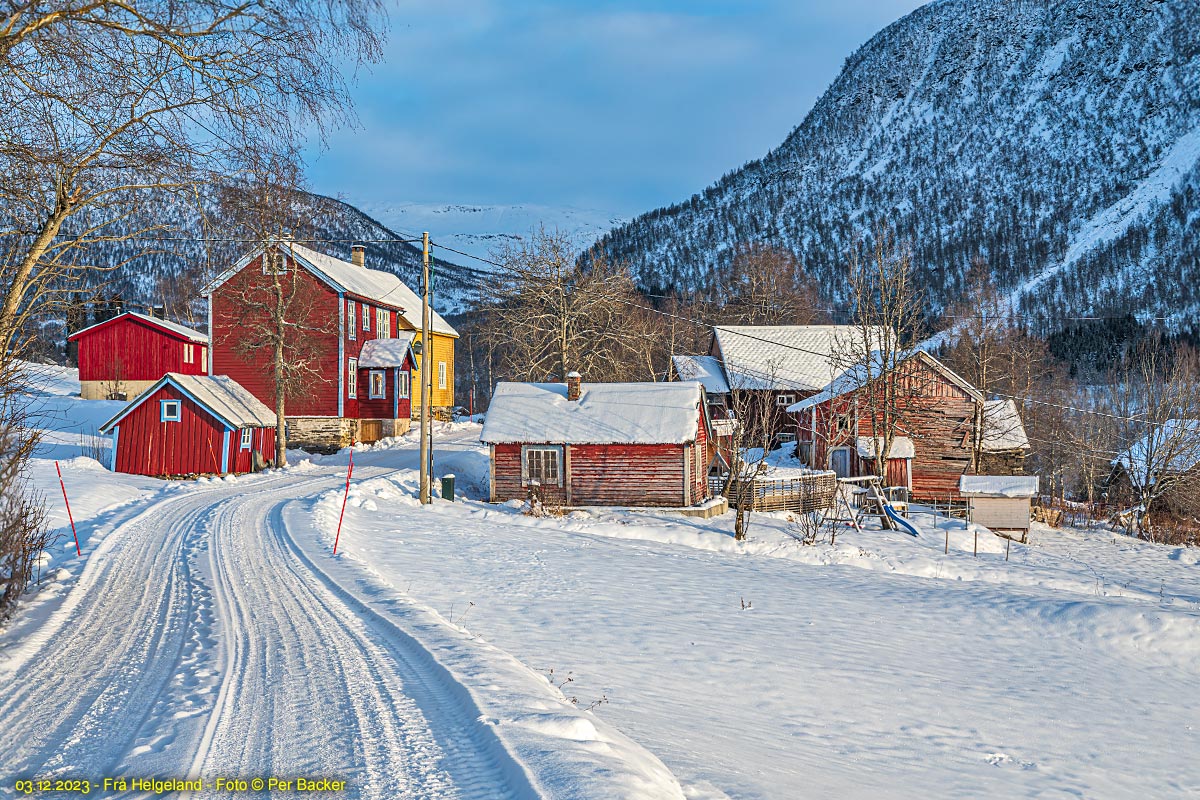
(253, 370)
(262, 441)
(129, 349)
(192, 446)
(603, 475)
(388, 407)
(443, 350)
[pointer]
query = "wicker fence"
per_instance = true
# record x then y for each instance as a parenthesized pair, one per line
(806, 493)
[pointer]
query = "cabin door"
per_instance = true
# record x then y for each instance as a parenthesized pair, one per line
(370, 430)
(839, 461)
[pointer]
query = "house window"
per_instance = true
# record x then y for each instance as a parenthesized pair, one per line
(402, 385)
(168, 410)
(843, 423)
(189, 355)
(441, 374)
(247, 438)
(273, 263)
(352, 317)
(382, 327)
(541, 464)
(352, 377)
(366, 317)
(784, 399)
(204, 359)
(377, 384)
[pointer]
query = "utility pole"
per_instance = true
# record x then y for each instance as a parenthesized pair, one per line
(426, 363)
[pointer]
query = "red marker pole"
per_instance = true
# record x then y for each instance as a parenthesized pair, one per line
(78, 552)
(345, 497)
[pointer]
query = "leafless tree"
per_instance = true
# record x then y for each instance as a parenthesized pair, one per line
(750, 444)
(1156, 399)
(23, 534)
(767, 286)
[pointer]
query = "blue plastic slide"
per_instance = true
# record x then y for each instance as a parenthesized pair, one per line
(899, 521)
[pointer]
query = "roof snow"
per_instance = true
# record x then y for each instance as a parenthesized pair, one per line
(902, 447)
(387, 352)
(605, 413)
(859, 375)
(227, 399)
(998, 485)
(173, 327)
(706, 369)
(784, 356)
(1002, 427)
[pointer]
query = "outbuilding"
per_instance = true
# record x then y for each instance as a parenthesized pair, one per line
(187, 425)
(599, 444)
(122, 357)
(1000, 502)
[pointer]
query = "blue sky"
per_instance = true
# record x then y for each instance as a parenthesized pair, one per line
(618, 106)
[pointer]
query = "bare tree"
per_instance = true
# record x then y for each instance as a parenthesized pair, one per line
(1156, 399)
(750, 444)
(767, 286)
(23, 534)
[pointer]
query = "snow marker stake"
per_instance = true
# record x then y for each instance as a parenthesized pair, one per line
(345, 497)
(78, 552)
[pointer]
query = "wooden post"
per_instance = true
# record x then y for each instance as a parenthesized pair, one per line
(1007, 548)
(977, 543)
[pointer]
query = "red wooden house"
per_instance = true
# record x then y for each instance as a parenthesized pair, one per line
(122, 357)
(938, 417)
(354, 330)
(192, 425)
(599, 444)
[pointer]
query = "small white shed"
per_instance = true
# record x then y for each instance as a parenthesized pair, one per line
(1000, 502)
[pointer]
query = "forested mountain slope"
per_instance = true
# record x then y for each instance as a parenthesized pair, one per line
(1059, 140)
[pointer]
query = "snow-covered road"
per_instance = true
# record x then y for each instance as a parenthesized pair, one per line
(197, 635)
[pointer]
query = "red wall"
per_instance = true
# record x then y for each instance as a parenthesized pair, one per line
(383, 408)
(147, 446)
(130, 349)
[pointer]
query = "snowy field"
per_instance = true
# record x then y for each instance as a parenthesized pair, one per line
(468, 650)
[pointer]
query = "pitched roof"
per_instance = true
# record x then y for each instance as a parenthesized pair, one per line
(783, 356)
(170, 327)
(1002, 427)
(705, 369)
(605, 413)
(999, 485)
(858, 375)
(387, 352)
(221, 395)
(374, 285)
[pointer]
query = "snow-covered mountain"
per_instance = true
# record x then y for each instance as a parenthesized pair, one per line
(480, 229)
(1059, 140)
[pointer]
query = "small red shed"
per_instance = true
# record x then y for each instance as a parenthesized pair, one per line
(122, 357)
(600, 444)
(192, 425)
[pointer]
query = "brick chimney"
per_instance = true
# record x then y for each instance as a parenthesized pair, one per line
(358, 255)
(573, 379)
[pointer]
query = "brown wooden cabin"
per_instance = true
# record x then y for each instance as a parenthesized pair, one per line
(933, 445)
(599, 444)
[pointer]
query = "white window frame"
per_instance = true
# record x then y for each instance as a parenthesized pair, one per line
(403, 383)
(163, 416)
(352, 377)
(527, 478)
(383, 325)
(247, 438)
(366, 317)
(382, 376)
(784, 399)
(441, 374)
(279, 260)
(203, 358)
(352, 316)
(189, 355)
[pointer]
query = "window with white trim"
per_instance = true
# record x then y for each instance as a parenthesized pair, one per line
(203, 358)
(441, 374)
(377, 384)
(383, 328)
(273, 263)
(402, 383)
(352, 377)
(169, 410)
(247, 438)
(189, 355)
(352, 318)
(366, 316)
(542, 464)
(784, 399)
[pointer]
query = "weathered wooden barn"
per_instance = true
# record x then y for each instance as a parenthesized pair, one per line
(356, 389)
(938, 416)
(187, 425)
(599, 444)
(122, 357)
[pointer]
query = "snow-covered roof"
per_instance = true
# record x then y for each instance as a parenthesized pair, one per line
(784, 356)
(224, 397)
(379, 353)
(605, 413)
(1002, 427)
(858, 375)
(370, 284)
(1172, 447)
(998, 485)
(902, 447)
(706, 369)
(172, 327)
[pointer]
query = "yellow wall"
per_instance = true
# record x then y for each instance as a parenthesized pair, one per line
(443, 350)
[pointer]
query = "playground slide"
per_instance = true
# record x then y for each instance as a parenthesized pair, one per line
(900, 522)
